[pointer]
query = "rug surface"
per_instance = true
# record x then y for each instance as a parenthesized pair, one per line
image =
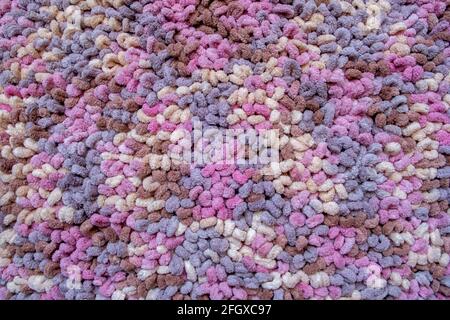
(197, 149)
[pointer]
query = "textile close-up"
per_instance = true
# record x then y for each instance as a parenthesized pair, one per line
(224, 150)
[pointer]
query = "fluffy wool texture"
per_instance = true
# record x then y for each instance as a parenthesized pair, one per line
(95, 97)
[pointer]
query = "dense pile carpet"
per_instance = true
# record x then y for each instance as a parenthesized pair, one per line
(115, 182)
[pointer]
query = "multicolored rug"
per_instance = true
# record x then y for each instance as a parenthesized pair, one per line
(197, 149)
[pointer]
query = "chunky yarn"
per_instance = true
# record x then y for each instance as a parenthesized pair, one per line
(100, 99)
